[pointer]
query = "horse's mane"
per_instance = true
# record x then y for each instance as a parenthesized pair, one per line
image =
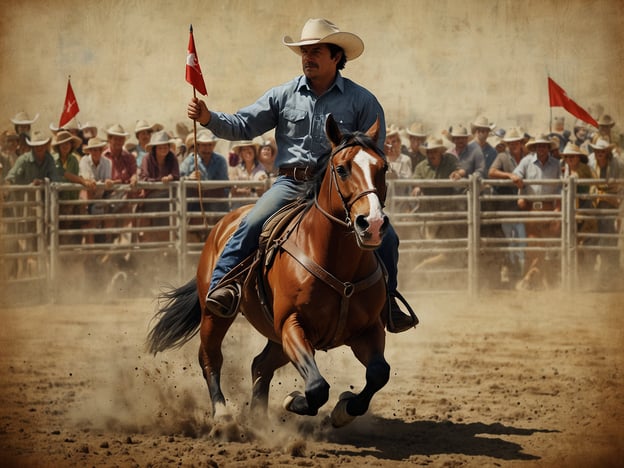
(348, 139)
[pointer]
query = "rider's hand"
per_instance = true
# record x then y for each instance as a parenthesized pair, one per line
(197, 110)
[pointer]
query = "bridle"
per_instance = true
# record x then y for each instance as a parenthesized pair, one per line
(346, 204)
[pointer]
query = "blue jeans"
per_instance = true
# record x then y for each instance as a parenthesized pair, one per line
(283, 191)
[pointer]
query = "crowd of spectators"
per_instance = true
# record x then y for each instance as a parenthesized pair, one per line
(79, 154)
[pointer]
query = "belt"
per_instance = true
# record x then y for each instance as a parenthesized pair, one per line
(539, 205)
(298, 173)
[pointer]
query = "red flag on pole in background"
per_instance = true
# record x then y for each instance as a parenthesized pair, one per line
(70, 108)
(193, 70)
(559, 98)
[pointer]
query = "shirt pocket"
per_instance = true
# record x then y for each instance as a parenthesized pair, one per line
(296, 123)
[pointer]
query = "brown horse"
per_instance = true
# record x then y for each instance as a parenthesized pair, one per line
(324, 286)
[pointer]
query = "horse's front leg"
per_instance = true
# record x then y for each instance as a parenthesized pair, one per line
(263, 367)
(301, 354)
(369, 349)
(212, 331)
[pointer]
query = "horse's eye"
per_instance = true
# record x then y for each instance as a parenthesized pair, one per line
(342, 172)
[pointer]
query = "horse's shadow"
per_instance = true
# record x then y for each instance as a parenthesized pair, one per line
(395, 439)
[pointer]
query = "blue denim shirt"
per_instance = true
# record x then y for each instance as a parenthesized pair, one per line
(298, 116)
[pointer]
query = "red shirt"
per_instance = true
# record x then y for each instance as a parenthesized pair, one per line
(124, 165)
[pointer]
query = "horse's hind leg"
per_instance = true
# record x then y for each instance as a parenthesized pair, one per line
(301, 354)
(369, 351)
(212, 332)
(263, 367)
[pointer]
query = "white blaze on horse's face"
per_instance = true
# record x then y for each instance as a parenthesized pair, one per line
(376, 217)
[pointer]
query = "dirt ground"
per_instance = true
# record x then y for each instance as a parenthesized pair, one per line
(512, 379)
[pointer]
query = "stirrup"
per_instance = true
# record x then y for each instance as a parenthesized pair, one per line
(222, 310)
(390, 325)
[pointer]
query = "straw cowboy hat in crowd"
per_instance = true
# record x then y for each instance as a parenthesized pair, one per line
(89, 130)
(94, 143)
(482, 122)
(606, 120)
(71, 126)
(63, 136)
(242, 144)
(22, 118)
(540, 139)
(601, 144)
(513, 134)
(37, 138)
(203, 136)
(159, 138)
(116, 130)
(434, 143)
(319, 30)
(459, 131)
(417, 129)
(392, 130)
(143, 125)
(571, 149)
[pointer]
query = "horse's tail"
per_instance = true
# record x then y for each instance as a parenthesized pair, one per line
(178, 318)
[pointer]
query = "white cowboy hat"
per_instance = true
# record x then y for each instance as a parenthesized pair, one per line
(459, 131)
(159, 138)
(204, 136)
(71, 125)
(93, 143)
(601, 144)
(417, 129)
(144, 125)
(37, 139)
(482, 122)
(241, 144)
(22, 118)
(513, 134)
(540, 139)
(434, 143)
(117, 130)
(63, 136)
(319, 30)
(392, 130)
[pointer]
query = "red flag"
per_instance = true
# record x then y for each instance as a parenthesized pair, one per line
(559, 98)
(193, 70)
(70, 108)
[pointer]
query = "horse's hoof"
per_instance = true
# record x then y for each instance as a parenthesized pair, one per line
(339, 416)
(221, 413)
(290, 398)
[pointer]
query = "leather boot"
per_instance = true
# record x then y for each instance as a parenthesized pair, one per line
(223, 301)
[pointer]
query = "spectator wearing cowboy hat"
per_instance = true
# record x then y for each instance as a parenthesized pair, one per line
(97, 169)
(417, 135)
(538, 165)
(22, 124)
(292, 109)
(143, 132)
(68, 167)
(124, 169)
(481, 128)
(268, 152)
(249, 168)
(36, 165)
(470, 155)
(605, 125)
(8, 151)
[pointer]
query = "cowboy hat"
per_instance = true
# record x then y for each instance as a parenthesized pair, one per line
(434, 143)
(242, 144)
(22, 118)
(606, 120)
(601, 144)
(63, 136)
(93, 143)
(540, 139)
(319, 30)
(71, 125)
(116, 130)
(513, 134)
(203, 136)
(392, 130)
(159, 138)
(572, 150)
(143, 125)
(37, 139)
(458, 131)
(482, 122)
(89, 130)
(417, 129)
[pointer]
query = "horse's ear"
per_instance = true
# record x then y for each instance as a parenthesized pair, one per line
(333, 131)
(373, 132)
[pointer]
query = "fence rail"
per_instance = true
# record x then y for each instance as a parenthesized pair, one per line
(455, 240)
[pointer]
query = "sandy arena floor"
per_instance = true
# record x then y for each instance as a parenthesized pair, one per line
(514, 379)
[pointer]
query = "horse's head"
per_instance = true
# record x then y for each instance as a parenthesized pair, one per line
(358, 172)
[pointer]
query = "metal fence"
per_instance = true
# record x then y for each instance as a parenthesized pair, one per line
(456, 237)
